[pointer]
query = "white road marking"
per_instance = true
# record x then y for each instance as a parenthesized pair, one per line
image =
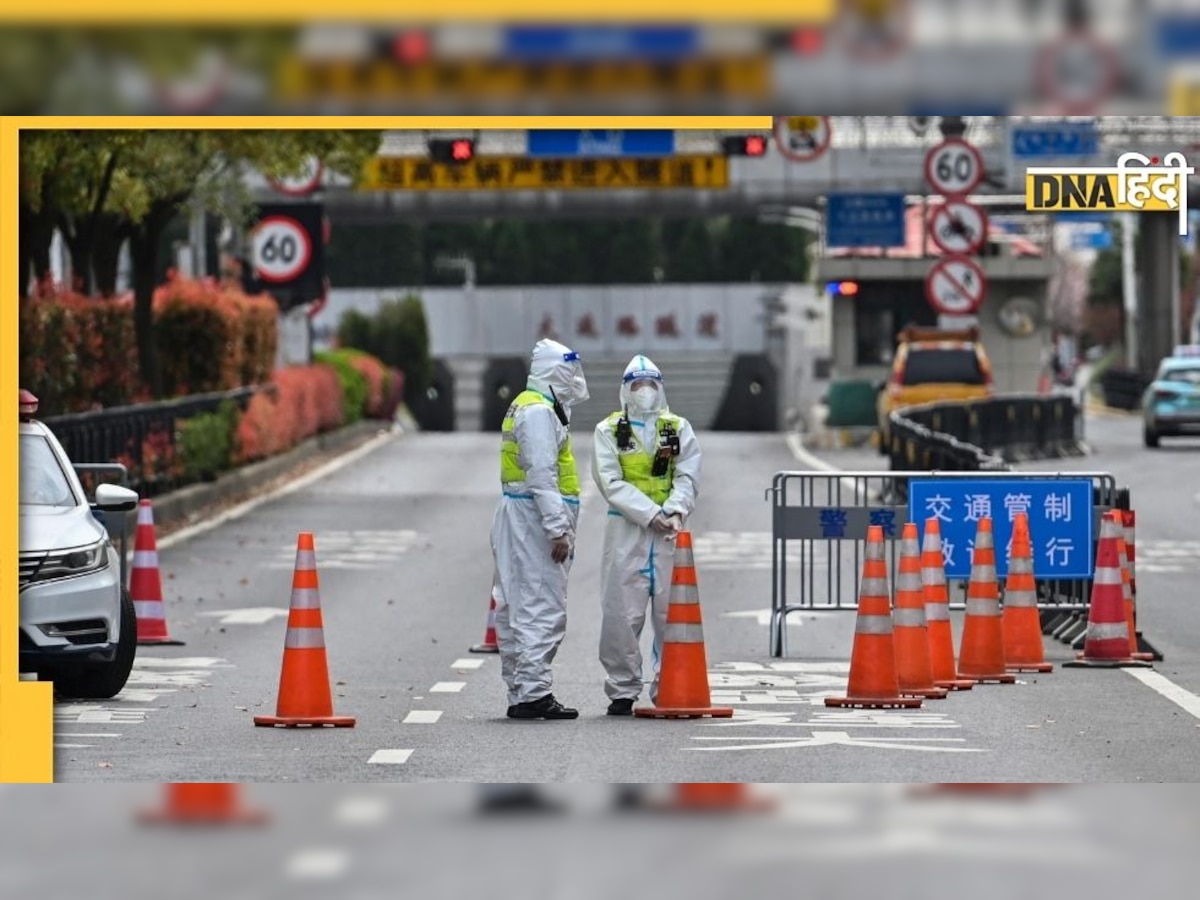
(81, 714)
(73, 746)
(181, 662)
(1163, 685)
(141, 695)
(318, 864)
(467, 664)
(389, 757)
(422, 717)
(88, 734)
(353, 549)
(447, 687)
(254, 616)
(186, 534)
(840, 738)
(362, 811)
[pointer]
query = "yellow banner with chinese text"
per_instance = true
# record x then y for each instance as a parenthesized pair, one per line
(486, 173)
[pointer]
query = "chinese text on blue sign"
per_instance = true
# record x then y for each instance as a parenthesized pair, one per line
(865, 220)
(558, 143)
(1060, 520)
(1055, 139)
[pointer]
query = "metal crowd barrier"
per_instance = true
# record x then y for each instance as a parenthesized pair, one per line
(816, 567)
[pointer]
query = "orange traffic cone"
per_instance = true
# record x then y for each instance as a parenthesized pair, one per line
(982, 653)
(723, 797)
(1022, 623)
(145, 583)
(203, 804)
(937, 611)
(1129, 582)
(489, 644)
(683, 691)
(874, 682)
(913, 662)
(304, 697)
(1106, 643)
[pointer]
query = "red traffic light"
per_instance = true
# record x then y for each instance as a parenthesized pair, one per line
(745, 145)
(807, 41)
(456, 150)
(411, 47)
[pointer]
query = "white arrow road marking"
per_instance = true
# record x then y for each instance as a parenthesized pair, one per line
(840, 738)
(253, 616)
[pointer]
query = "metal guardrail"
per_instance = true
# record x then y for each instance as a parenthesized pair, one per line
(110, 434)
(814, 571)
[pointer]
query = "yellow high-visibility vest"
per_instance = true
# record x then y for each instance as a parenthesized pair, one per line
(510, 464)
(636, 467)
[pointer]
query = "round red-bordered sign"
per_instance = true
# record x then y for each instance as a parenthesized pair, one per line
(280, 249)
(955, 286)
(304, 183)
(954, 167)
(958, 227)
(803, 138)
(871, 39)
(1092, 60)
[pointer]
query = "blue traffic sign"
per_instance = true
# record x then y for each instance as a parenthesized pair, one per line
(1055, 140)
(1060, 520)
(865, 220)
(558, 143)
(1178, 37)
(553, 43)
(1091, 239)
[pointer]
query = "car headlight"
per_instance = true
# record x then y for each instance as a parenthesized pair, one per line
(76, 562)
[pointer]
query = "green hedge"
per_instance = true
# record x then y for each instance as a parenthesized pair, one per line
(353, 382)
(398, 335)
(206, 442)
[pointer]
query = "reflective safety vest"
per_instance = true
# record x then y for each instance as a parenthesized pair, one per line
(637, 464)
(510, 463)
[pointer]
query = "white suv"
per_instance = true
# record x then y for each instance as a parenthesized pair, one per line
(78, 625)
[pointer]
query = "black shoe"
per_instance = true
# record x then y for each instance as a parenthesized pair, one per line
(621, 707)
(527, 801)
(542, 708)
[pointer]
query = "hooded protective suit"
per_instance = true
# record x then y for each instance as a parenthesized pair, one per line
(637, 559)
(539, 503)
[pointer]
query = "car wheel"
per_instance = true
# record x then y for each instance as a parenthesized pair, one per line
(1149, 438)
(100, 682)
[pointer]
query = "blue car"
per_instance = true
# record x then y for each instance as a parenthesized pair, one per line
(1171, 404)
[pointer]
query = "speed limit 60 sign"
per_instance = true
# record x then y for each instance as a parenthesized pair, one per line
(954, 168)
(287, 252)
(282, 249)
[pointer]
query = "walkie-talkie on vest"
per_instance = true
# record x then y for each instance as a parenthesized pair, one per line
(624, 432)
(667, 451)
(558, 408)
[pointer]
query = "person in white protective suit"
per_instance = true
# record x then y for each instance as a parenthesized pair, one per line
(533, 533)
(646, 463)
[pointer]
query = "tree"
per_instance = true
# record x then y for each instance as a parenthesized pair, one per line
(691, 258)
(137, 182)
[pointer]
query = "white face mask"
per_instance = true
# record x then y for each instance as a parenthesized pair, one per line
(644, 398)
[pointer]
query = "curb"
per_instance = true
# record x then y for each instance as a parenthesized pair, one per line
(188, 505)
(1103, 409)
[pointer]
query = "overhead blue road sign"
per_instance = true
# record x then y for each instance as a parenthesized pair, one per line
(1178, 36)
(1060, 520)
(552, 43)
(864, 220)
(1055, 140)
(559, 143)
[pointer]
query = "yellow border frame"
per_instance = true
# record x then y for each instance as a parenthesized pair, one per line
(26, 708)
(266, 12)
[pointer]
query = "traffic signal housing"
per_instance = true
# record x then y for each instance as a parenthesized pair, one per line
(451, 150)
(745, 145)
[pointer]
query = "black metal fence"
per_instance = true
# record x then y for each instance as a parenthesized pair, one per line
(127, 434)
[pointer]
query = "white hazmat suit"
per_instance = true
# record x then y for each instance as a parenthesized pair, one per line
(637, 559)
(535, 512)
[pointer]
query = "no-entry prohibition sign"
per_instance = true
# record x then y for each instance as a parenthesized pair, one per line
(958, 227)
(955, 286)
